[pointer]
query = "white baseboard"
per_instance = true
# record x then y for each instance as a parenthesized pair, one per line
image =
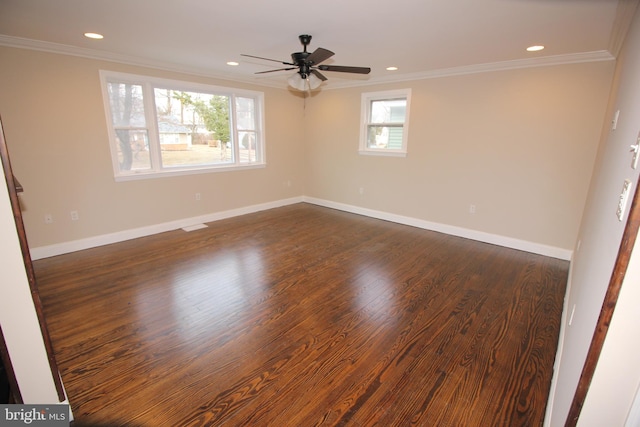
(480, 236)
(120, 236)
(564, 320)
(105, 239)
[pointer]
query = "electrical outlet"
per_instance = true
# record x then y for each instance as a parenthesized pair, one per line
(472, 209)
(48, 219)
(198, 196)
(361, 191)
(74, 216)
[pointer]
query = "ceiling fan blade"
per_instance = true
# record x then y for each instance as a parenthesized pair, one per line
(319, 75)
(267, 59)
(319, 55)
(343, 69)
(279, 69)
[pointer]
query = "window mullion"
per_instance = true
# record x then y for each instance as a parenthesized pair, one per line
(151, 117)
(258, 127)
(233, 123)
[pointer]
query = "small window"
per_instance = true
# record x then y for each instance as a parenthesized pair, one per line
(160, 127)
(385, 123)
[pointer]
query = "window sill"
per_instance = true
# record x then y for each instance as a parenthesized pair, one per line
(383, 153)
(180, 172)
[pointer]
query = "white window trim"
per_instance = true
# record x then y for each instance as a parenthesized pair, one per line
(367, 98)
(149, 82)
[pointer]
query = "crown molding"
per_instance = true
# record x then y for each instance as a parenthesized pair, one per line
(62, 49)
(543, 61)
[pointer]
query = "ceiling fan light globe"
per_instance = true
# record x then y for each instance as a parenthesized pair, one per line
(297, 82)
(314, 81)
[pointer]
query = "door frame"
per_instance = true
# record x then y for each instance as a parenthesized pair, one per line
(606, 312)
(12, 185)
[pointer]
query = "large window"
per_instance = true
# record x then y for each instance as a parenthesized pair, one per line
(385, 123)
(159, 127)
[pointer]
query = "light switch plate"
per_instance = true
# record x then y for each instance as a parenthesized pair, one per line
(624, 198)
(614, 121)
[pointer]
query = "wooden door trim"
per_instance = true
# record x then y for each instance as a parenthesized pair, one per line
(26, 256)
(606, 312)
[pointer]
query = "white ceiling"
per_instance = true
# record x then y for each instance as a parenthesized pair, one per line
(417, 36)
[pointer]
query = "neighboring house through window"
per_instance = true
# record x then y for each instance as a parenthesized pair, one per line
(159, 127)
(385, 123)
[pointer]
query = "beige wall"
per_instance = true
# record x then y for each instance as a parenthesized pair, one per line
(617, 374)
(54, 121)
(518, 144)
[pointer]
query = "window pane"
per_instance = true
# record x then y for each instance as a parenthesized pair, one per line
(133, 150)
(127, 107)
(388, 111)
(193, 128)
(245, 111)
(248, 153)
(197, 155)
(386, 137)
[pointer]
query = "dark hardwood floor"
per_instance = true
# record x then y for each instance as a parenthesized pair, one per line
(304, 316)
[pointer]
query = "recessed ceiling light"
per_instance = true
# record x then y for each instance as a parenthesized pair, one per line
(233, 63)
(535, 48)
(94, 36)
(392, 68)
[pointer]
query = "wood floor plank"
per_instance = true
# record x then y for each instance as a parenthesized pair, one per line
(304, 316)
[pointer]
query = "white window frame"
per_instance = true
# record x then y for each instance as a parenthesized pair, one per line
(367, 99)
(156, 170)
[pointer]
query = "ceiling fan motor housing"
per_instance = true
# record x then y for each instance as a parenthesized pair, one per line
(299, 58)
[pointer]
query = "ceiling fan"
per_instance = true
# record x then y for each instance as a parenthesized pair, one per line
(308, 66)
